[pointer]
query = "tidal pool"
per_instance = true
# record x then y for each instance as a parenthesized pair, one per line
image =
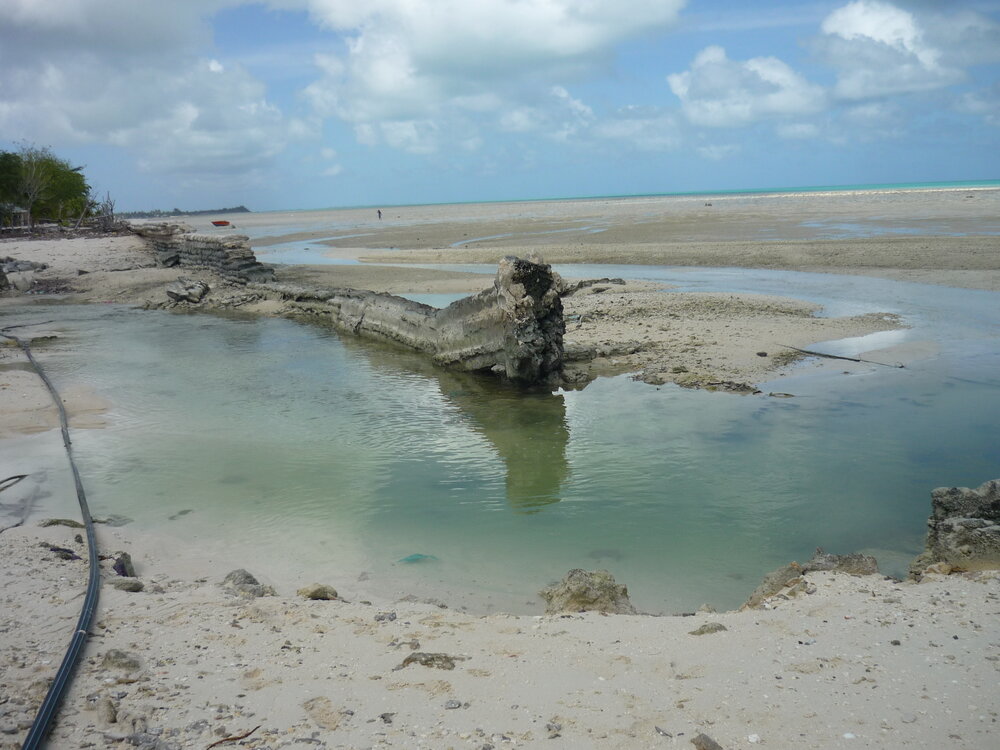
(302, 455)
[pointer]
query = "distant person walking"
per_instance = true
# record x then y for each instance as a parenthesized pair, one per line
(380, 214)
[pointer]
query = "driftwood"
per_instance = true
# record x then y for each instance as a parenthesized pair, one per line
(837, 356)
(234, 738)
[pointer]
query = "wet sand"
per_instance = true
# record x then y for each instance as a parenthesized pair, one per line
(949, 237)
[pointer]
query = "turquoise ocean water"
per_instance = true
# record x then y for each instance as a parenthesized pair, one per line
(807, 189)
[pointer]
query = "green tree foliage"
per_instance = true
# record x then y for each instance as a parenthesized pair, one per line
(10, 174)
(10, 170)
(46, 186)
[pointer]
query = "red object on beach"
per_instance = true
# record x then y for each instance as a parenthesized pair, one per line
(221, 223)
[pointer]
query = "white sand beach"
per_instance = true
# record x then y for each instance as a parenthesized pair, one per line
(860, 662)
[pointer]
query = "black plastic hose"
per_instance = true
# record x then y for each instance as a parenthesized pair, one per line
(57, 689)
(11, 481)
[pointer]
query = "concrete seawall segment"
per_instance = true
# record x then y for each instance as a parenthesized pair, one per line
(513, 329)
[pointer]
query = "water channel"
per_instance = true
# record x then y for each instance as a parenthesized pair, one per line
(302, 455)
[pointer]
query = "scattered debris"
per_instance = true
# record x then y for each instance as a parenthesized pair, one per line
(704, 742)
(837, 356)
(434, 661)
(234, 738)
(243, 583)
(963, 531)
(587, 591)
(45, 523)
(791, 574)
(128, 584)
(123, 565)
(118, 659)
(61, 552)
(187, 290)
(709, 627)
(318, 591)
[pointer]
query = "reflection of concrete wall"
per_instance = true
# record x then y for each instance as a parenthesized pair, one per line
(530, 434)
(527, 428)
(514, 329)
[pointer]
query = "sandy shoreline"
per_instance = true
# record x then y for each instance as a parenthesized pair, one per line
(969, 262)
(859, 662)
(947, 236)
(690, 339)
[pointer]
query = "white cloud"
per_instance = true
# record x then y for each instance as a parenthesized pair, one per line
(718, 152)
(470, 144)
(365, 134)
(415, 136)
(798, 130)
(871, 113)
(131, 74)
(984, 103)
(875, 119)
(470, 63)
(457, 39)
(719, 92)
(123, 27)
(883, 23)
(964, 36)
(579, 110)
(220, 123)
(556, 114)
(520, 120)
(573, 115)
(299, 129)
(644, 131)
(882, 50)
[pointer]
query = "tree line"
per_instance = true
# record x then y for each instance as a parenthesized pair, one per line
(156, 213)
(35, 185)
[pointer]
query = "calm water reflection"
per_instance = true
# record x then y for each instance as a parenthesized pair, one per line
(335, 460)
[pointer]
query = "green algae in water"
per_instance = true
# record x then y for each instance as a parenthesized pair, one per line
(416, 557)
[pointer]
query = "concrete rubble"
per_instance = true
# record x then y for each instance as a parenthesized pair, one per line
(514, 329)
(963, 530)
(587, 591)
(229, 256)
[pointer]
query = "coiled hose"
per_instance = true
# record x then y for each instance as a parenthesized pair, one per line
(57, 689)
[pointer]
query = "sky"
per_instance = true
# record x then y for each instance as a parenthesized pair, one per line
(285, 104)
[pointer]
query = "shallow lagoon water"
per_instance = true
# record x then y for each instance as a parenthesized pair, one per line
(301, 455)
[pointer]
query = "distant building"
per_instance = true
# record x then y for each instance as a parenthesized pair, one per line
(13, 216)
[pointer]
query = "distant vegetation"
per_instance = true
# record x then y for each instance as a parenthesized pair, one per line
(158, 213)
(36, 185)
